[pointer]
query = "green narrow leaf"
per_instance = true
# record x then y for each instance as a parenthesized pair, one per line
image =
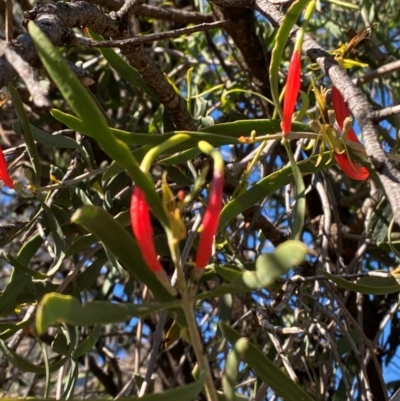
(88, 343)
(21, 268)
(71, 379)
(281, 384)
(181, 157)
(58, 141)
(229, 378)
(125, 70)
(216, 135)
(300, 204)
(46, 366)
(27, 133)
(181, 393)
(29, 248)
(26, 366)
(282, 36)
(58, 238)
(372, 285)
(96, 125)
(86, 279)
(58, 308)
(269, 185)
(11, 292)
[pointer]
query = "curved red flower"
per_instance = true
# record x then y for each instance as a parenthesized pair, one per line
(291, 92)
(210, 221)
(4, 172)
(352, 169)
(143, 230)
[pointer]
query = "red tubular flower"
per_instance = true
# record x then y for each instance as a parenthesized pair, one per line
(3, 171)
(353, 170)
(143, 230)
(292, 90)
(210, 221)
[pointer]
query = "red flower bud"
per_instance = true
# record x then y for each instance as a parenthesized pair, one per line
(353, 170)
(210, 221)
(292, 90)
(143, 230)
(3, 171)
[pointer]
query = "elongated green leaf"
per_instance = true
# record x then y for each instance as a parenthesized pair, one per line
(300, 205)
(181, 157)
(229, 378)
(245, 127)
(58, 141)
(80, 244)
(88, 343)
(126, 71)
(280, 42)
(57, 308)
(29, 248)
(26, 366)
(86, 279)
(27, 133)
(148, 139)
(21, 268)
(86, 109)
(366, 285)
(213, 134)
(124, 247)
(11, 292)
(281, 384)
(269, 185)
(58, 237)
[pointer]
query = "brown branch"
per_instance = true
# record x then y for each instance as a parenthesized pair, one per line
(160, 13)
(128, 9)
(9, 20)
(153, 37)
(383, 70)
(383, 114)
(57, 20)
(24, 70)
(255, 57)
(174, 15)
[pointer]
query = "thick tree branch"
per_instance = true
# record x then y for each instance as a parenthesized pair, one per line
(57, 20)
(243, 33)
(160, 13)
(24, 70)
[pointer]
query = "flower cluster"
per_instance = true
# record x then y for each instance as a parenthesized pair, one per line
(352, 169)
(143, 230)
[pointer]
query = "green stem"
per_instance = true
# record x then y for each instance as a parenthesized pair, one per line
(162, 147)
(197, 344)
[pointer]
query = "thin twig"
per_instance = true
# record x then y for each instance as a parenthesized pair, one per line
(154, 352)
(153, 37)
(383, 70)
